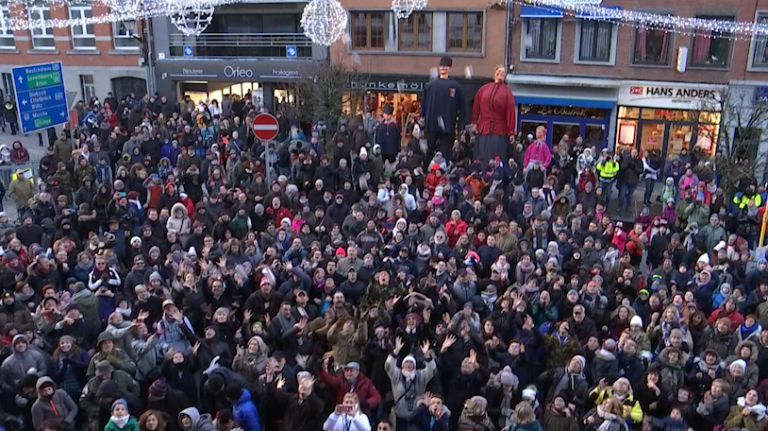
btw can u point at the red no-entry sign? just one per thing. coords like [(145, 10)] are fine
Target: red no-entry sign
[(265, 127)]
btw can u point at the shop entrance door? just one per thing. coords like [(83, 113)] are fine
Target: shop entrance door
[(560, 130), (667, 138)]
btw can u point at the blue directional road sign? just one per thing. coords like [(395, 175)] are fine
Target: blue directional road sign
[(40, 96), (188, 52), (290, 51)]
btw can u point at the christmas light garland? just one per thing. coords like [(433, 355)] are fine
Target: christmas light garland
[(738, 29)]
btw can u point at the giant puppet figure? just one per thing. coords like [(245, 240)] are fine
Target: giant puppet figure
[(443, 110), (493, 115)]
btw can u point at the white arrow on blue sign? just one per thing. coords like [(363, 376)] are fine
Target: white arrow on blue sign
[(188, 52), (40, 96), (291, 51)]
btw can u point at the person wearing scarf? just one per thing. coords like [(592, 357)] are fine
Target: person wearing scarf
[(606, 417), (252, 361), (474, 416), (120, 420), (749, 330), (748, 413)]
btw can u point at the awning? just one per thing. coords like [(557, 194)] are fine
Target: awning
[(556, 101), (603, 13), (529, 11)]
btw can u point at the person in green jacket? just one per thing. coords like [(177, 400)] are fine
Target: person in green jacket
[(121, 420)]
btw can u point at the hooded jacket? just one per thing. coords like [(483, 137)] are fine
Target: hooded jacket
[(632, 408), (401, 388), (16, 366), (245, 413), (59, 407), (182, 225), (199, 422), (752, 373), (88, 304)]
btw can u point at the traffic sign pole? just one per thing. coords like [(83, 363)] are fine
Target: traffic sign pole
[(40, 96)]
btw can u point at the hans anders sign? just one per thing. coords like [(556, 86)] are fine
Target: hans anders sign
[(670, 96)]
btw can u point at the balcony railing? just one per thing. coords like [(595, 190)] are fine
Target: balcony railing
[(242, 45)]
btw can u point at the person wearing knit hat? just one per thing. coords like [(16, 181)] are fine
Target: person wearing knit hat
[(738, 364), (577, 364), (121, 420)]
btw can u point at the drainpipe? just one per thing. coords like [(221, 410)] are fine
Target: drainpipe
[(508, 7)]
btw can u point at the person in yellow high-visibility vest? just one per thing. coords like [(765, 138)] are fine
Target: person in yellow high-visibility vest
[(607, 169)]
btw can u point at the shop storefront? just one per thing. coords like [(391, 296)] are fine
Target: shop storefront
[(668, 118), (568, 107), (566, 121), (267, 82), (404, 94)]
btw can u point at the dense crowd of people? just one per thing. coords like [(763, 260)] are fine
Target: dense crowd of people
[(169, 271)]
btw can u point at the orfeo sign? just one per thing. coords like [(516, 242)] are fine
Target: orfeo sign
[(237, 72), (695, 96)]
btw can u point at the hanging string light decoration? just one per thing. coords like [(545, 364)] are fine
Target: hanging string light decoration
[(672, 23), (324, 21), (404, 8), (192, 19)]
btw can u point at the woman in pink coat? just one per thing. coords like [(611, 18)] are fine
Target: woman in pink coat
[(538, 150)]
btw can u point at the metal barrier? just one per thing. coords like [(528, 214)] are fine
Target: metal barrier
[(7, 171)]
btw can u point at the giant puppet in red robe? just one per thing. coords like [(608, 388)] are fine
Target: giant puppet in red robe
[(493, 115)]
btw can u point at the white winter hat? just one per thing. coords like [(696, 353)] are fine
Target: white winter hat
[(636, 320), (739, 363), (412, 359)]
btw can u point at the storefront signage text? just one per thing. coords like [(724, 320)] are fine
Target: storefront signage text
[(237, 72), (671, 96), (563, 111), (677, 93), (380, 85)]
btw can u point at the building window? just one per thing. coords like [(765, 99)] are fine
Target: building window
[(541, 38), (123, 34), (368, 30), (758, 51), (652, 46), (87, 87), (6, 34), (42, 37), (712, 48), (83, 36), (596, 41), (465, 31), (416, 32)]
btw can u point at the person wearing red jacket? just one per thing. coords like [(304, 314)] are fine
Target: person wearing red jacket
[(278, 212), (352, 380), (455, 227)]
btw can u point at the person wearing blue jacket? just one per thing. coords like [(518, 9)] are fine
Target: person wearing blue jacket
[(430, 415), (244, 410)]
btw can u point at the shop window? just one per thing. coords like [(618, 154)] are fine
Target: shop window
[(368, 30), (758, 51), (628, 112), (87, 87), (542, 38), (652, 46), (465, 31), (712, 48), (6, 34), (416, 32), (83, 36), (596, 41), (124, 35), (42, 37)]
